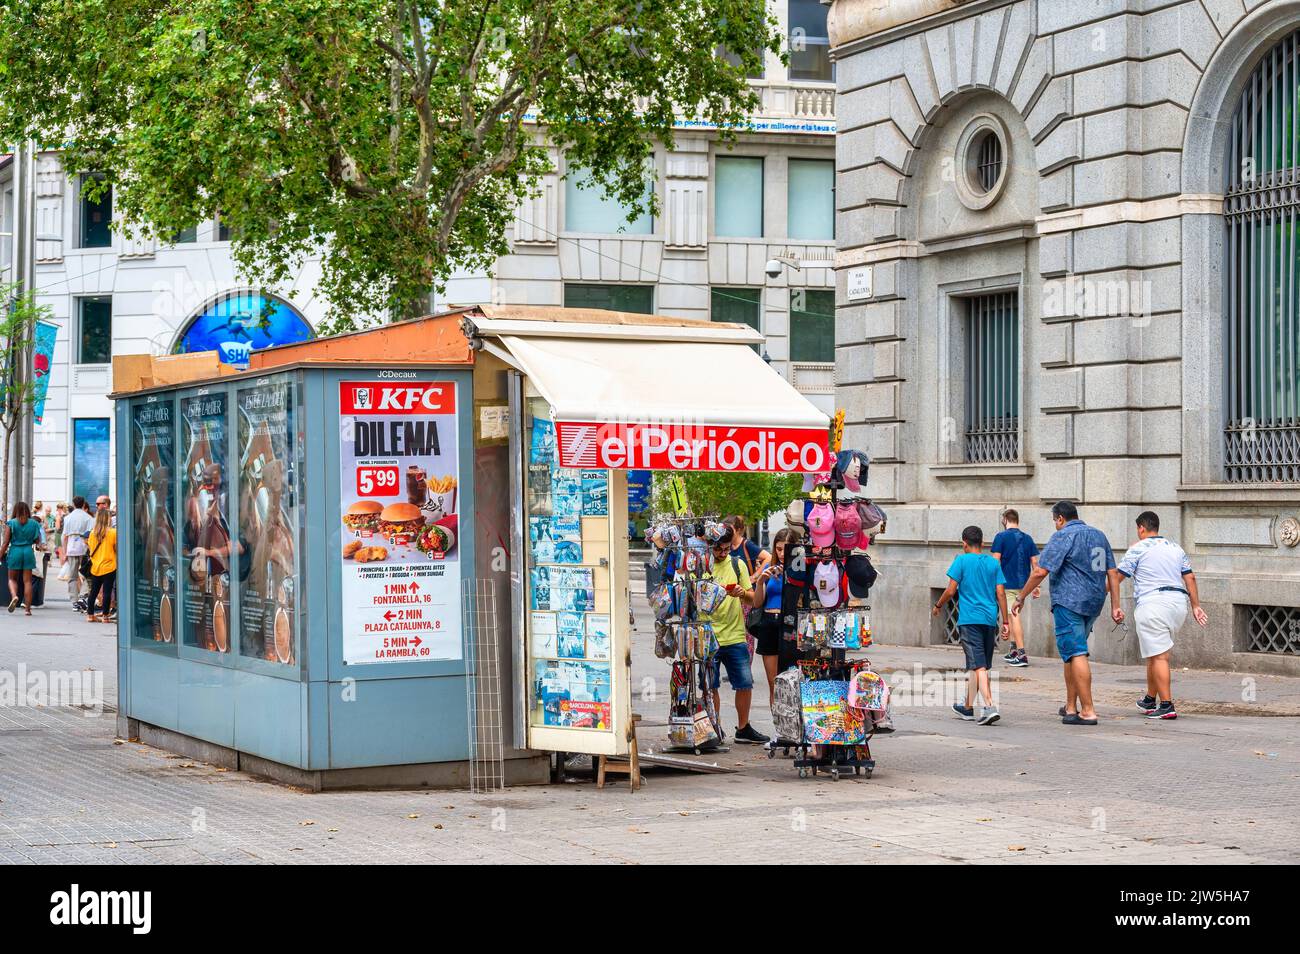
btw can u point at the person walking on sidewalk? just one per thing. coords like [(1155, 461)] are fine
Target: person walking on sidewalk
[(1082, 567), (1163, 586), (1018, 554), (103, 567), (21, 535), (76, 529), (728, 622), (980, 587)]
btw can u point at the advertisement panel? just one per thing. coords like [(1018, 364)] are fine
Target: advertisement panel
[(153, 454), (268, 521), (206, 541), (400, 482)]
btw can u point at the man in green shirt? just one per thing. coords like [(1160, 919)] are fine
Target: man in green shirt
[(728, 622)]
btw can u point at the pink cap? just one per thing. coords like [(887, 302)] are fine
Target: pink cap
[(848, 526), (821, 525)]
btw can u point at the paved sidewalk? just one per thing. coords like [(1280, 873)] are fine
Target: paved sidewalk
[(1208, 788)]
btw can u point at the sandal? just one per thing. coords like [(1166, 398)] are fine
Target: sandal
[(1077, 720)]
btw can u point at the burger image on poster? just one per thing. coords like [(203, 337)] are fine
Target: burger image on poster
[(362, 517), (401, 522)]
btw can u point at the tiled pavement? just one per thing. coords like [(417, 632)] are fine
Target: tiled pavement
[(1207, 788)]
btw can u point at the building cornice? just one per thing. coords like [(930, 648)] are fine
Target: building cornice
[(854, 25), (1070, 220)]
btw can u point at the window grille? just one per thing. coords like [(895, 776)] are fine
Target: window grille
[(992, 379), (1273, 629), (1262, 206), (989, 162)]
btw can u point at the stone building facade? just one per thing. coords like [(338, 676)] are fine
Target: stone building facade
[(1067, 269)]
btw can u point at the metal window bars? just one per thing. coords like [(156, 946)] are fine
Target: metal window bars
[(992, 373), (988, 161), (480, 633), (1273, 629), (1262, 300)]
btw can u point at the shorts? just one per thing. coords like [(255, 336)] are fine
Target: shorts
[(1072, 632), (1156, 619), (1012, 596), (768, 633), (736, 658), (979, 641)]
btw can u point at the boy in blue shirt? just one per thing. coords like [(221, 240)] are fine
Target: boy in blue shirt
[(1018, 554), (981, 589)]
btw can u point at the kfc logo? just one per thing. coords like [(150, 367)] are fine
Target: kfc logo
[(415, 397)]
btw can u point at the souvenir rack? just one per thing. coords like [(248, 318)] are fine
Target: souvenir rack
[(828, 663), (695, 659)]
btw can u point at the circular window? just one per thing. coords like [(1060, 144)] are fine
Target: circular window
[(982, 162)]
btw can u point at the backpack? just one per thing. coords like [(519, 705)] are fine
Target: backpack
[(787, 707)]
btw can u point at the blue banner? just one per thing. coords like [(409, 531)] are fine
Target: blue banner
[(638, 491), (42, 361)]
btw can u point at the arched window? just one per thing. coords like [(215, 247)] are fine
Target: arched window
[(243, 316), (1262, 206)]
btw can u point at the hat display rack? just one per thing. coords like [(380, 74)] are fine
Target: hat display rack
[(833, 727), (684, 551)]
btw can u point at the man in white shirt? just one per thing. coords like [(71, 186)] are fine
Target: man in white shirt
[(76, 530), (1163, 585)]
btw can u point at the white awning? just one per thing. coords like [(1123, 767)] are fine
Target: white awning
[(642, 397)]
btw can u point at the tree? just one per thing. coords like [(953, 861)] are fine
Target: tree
[(18, 384), (391, 136), (753, 496)]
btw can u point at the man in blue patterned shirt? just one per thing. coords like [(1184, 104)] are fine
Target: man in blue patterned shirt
[(1082, 567)]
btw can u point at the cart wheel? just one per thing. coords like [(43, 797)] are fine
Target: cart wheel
[(786, 751), (771, 753), (803, 773), (835, 774), (867, 772)]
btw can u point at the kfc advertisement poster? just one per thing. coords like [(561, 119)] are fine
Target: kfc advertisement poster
[(399, 515)]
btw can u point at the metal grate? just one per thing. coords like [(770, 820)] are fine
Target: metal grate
[(947, 633), (988, 162), (992, 379), (483, 686), (1273, 629), (1262, 205)]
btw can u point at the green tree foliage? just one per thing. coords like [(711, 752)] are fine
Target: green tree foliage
[(753, 496), (388, 135)]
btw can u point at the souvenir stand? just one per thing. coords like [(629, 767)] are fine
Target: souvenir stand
[(388, 557), (683, 546), (829, 706), (595, 395)]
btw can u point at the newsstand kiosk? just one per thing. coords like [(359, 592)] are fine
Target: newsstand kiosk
[(336, 562)]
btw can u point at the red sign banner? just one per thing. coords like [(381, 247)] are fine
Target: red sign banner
[(613, 446), (404, 397)]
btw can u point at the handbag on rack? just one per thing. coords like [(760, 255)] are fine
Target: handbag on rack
[(787, 706), (663, 601), (867, 691)]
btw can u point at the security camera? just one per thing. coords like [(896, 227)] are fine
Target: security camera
[(773, 268)]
